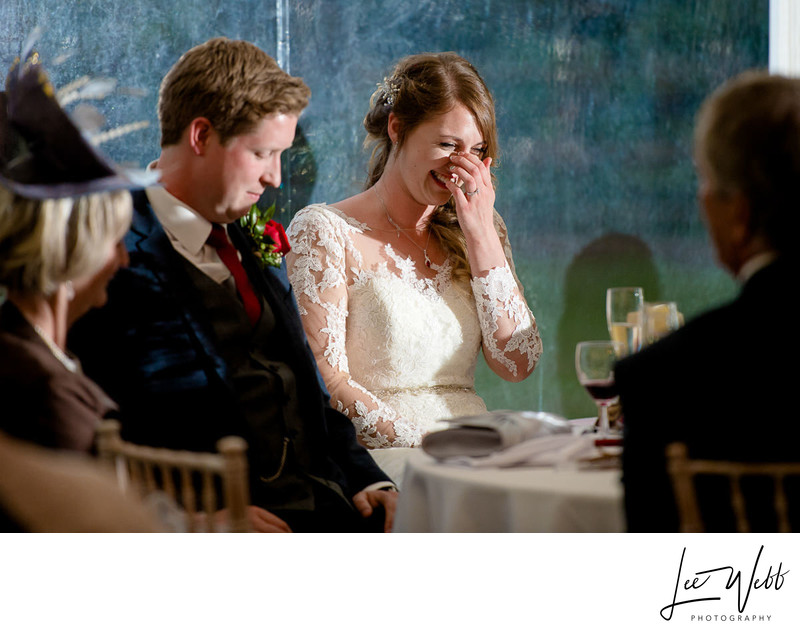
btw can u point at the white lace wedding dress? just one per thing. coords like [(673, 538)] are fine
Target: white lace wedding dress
[(397, 345)]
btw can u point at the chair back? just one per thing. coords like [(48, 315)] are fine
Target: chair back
[(682, 471), (191, 479)]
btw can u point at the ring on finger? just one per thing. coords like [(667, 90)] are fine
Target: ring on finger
[(470, 193)]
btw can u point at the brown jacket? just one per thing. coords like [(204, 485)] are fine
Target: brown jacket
[(41, 401)]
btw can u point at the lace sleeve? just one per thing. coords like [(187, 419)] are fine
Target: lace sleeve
[(317, 266), (511, 341)]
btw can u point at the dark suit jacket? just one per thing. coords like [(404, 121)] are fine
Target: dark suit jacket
[(40, 400), (724, 384), (155, 353)]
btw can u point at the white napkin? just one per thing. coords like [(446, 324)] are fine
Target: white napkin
[(555, 450), (485, 434)]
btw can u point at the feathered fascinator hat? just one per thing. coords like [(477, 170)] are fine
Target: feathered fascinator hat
[(43, 154)]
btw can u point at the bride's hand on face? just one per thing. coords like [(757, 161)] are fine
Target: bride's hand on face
[(475, 202)]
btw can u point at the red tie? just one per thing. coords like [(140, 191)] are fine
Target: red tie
[(218, 239)]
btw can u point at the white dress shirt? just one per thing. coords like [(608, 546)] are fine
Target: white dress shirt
[(754, 264), (188, 233)]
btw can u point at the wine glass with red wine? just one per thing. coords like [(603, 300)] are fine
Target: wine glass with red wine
[(594, 363)]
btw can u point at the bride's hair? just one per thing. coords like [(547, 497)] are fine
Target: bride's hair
[(421, 87)]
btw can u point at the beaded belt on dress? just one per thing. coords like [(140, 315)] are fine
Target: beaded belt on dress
[(424, 390)]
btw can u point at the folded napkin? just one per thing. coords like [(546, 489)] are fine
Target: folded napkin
[(517, 439), (485, 434), (547, 451)]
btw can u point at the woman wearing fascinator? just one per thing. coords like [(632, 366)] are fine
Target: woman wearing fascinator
[(401, 285), (63, 212)]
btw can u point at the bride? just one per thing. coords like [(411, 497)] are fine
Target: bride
[(401, 285)]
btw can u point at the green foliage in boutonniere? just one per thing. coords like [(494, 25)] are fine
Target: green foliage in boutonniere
[(270, 239)]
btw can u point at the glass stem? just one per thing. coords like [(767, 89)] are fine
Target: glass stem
[(604, 428)]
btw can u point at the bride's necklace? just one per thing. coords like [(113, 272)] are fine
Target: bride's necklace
[(400, 230)]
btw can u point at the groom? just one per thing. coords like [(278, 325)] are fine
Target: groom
[(200, 338)]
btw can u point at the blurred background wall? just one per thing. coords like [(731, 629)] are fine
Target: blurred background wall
[(595, 98)]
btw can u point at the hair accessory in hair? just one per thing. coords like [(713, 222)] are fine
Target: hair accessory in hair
[(390, 87), (43, 154)]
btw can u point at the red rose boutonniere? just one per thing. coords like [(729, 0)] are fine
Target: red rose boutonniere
[(270, 239)]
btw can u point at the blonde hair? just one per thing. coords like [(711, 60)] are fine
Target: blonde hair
[(232, 83), (747, 140), (44, 243), (421, 87)]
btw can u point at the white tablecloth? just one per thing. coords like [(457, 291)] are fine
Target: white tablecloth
[(444, 498), (393, 461)]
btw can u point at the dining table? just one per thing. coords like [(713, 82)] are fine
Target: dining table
[(570, 497)]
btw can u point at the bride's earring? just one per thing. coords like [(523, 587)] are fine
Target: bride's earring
[(69, 289)]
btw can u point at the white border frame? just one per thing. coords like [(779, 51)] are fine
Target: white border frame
[(784, 42)]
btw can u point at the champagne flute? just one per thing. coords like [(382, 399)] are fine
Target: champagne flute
[(625, 317), (594, 363)]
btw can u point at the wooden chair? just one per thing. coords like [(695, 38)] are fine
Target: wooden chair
[(682, 471), (183, 475)]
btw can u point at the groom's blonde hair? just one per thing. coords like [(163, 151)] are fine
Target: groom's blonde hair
[(232, 83)]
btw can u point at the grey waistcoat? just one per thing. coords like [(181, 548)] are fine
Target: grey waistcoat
[(266, 392)]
